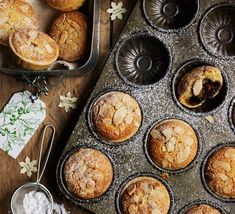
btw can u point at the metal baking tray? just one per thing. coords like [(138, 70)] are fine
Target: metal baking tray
[(88, 64), (182, 48)]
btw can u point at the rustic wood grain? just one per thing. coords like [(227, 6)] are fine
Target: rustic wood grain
[(10, 178)]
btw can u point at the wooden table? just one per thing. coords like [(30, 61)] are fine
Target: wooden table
[(10, 177)]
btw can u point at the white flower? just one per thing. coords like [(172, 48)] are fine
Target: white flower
[(28, 167), (68, 102), (116, 10)]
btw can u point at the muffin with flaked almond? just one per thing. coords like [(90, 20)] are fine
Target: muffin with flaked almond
[(66, 5), (145, 195), (88, 173), (116, 116), (172, 144), (69, 30), (16, 15), (203, 209), (220, 172), (33, 49)]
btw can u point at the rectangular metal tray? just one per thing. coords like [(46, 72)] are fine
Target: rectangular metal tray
[(157, 102), (94, 14)]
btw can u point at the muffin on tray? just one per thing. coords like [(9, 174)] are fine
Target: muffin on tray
[(202, 208), (172, 144), (16, 15), (33, 49), (88, 173), (116, 116), (69, 30), (66, 5), (220, 172), (145, 195), (199, 85)]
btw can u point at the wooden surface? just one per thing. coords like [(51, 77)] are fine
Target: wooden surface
[(10, 177)]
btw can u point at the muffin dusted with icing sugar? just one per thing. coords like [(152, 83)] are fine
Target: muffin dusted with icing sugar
[(202, 209), (16, 15), (116, 116), (69, 30), (172, 144), (88, 173), (220, 172), (66, 5), (33, 49), (145, 195)]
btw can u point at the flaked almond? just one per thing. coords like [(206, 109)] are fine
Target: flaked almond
[(227, 189), (63, 37), (186, 153), (103, 109), (25, 8), (48, 47), (62, 19), (197, 87), (156, 211), (128, 119), (156, 134), (126, 99), (119, 116), (132, 209), (168, 133), (156, 193), (116, 102), (222, 165), (96, 109), (179, 130), (74, 24), (189, 141), (165, 163), (33, 34), (223, 177), (230, 153), (27, 23), (164, 148), (107, 121), (170, 145), (4, 20), (146, 187)]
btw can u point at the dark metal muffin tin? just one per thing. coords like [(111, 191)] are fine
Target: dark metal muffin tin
[(181, 46)]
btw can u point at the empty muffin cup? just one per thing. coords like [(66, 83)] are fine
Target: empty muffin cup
[(170, 14), (217, 30), (142, 59), (199, 87), (231, 114)]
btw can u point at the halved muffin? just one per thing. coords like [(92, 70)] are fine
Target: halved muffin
[(33, 49), (199, 85)]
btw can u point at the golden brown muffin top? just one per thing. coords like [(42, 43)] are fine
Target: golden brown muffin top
[(202, 209), (198, 85), (88, 173), (220, 172), (66, 5), (145, 195), (116, 116), (70, 32), (16, 15), (173, 144), (34, 46)]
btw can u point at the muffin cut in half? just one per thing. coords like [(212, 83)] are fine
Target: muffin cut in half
[(172, 144), (88, 173), (34, 50), (199, 85), (116, 116)]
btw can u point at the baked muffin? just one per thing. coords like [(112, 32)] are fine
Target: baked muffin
[(69, 30), (199, 85), (66, 5), (145, 195), (116, 116), (172, 144), (16, 15), (202, 209), (33, 49), (220, 172), (88, 173)]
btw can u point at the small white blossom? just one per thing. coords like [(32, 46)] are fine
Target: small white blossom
[(116, 10), (28, 167), (68, 102)]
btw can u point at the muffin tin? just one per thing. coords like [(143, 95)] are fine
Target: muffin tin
[(88, 63), (150, 74)]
